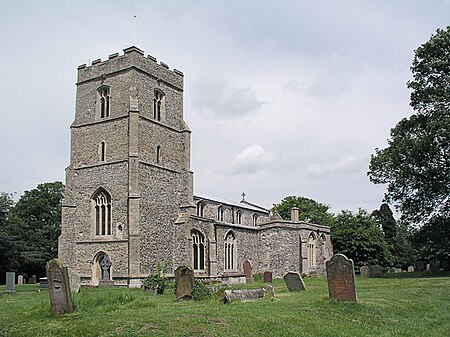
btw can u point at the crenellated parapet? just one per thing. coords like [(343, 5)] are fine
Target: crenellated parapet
[(132, 57)]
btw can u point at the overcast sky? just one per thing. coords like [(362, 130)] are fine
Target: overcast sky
[(282, 97)]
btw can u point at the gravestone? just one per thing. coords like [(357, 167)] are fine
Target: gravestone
[(244, 295), (341, 278), (58, 287), (267, 277), (398, 270), (364, 271), (32, 279), (184, 281), (410, 269), (428, 267), (248, 271), (43, 282), (20, 280), (106, 264), (419, 266), (435, 265), (294, 281), (10, 282), (375, 271)]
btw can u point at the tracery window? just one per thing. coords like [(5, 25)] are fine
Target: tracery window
[(102, 209), (230, 251), (198, 251)]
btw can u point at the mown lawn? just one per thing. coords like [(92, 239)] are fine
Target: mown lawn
[(400, 305)]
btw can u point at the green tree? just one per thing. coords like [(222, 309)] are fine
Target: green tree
[(8, 256), (385, 218), (358, 237), (36, 225), (416, 164), (310, 210)]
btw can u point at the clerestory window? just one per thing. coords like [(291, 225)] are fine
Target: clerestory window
[(220, 213), (238, 217)]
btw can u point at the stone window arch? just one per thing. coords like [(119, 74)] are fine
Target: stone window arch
[(102, 151), (159, 102), (230, 251), (220, 213), (200, 208), (102, 210), (158, 154), (101, 268), (238, 217), (198, 250), (103, 102), (312, 250), (254, 219)]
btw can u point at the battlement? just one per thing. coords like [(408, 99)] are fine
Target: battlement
[(132, 57)]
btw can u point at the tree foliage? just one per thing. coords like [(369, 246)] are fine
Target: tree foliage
[(358, 237), (310, 210), (8, 256), (385, 218), (416, 164), (34, 225)]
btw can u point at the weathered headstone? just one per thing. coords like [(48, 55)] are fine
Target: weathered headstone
[(267, 277), (435, 265), (410, 269), (106, 264), (184, 281), (375, 271), (428, 268), (364, 271), (10, 282), (58, 287), (32, 279), (19, 280), (341, 278), (43, 282), (398, 270), (248, 271), (294, 281)]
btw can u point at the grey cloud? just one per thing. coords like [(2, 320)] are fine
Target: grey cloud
[(217, 98), (252, 159)]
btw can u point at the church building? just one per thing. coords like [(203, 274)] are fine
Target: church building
[(129, 201)]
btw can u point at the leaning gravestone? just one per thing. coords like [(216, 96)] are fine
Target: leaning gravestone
[(58, 287), (294, 281), (341, 278), (364, 271), (267, 277), (20, 280), (10, 282), (184, 281)]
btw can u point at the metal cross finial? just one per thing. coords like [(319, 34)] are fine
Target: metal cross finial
[(243, 196)]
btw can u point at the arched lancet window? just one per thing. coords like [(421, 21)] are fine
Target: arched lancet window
[(105, 102), (312, 250), (220, 213), (254, 219), (230, 251), (102, 208), (200, 208), (102, 151), (158, 105), (158, 154), (238, 217), (198, 250)]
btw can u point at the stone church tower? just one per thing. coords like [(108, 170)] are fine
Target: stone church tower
[(129, 176)]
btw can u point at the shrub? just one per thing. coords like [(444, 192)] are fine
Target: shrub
[(200, 291), (157, 282)]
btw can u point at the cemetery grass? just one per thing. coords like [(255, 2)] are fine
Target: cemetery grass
[(402, 305)]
